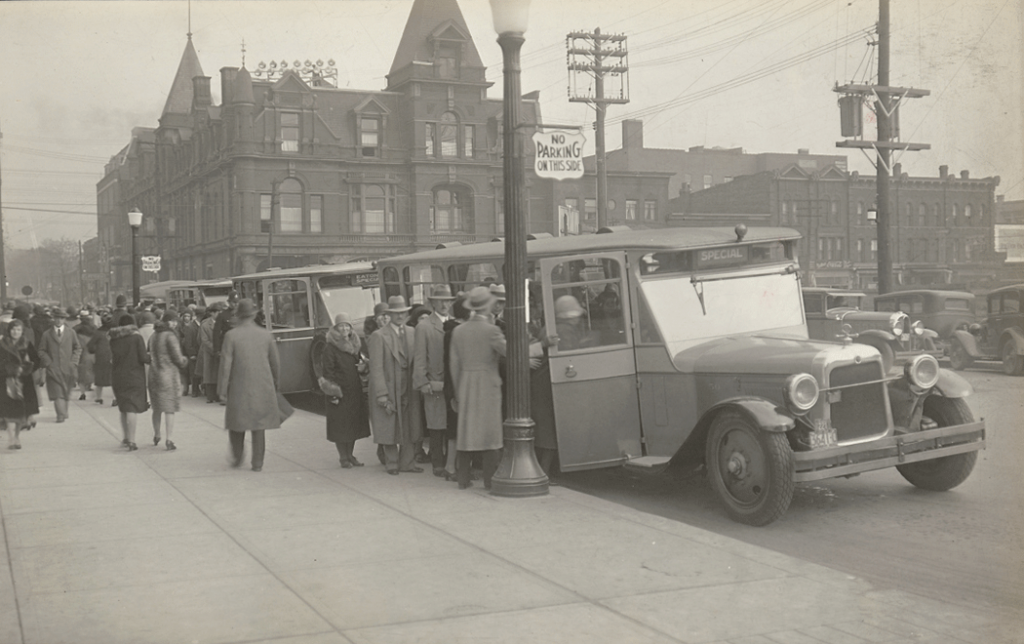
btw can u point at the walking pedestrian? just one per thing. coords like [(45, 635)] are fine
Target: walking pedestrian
[(18, 400), (247, 382), (59, 353), (428, 372), (211, 364), (192, 338), (128, 367), (379, 320), (347, 416), (85, 330), (99, 349), (24, 313), (477, 347), (391, 351), (188, 336), (166, 362)]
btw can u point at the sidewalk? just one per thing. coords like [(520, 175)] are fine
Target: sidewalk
[(105, 546)]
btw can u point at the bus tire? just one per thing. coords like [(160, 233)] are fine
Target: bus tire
[(750, 470), (941, 474), (316, 362)]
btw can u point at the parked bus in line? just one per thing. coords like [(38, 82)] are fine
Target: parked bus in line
[(181, 293), (693, 349), (299, 306)]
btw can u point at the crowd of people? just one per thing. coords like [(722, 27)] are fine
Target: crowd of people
[(426, 382)]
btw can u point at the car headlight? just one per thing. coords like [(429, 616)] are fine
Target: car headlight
[(802, 391), (917, 327), (898, 323), (922, 371)]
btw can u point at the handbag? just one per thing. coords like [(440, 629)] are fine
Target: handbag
[(14, 388), (329, 388)]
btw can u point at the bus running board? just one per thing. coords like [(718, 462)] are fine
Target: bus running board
[(648, 464)]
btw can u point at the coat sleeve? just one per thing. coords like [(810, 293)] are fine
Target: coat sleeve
[(498, 343), (419, 363), (174, 349), (453, 365), (44, 355), (377, 350), (76, 349), (227, 354)]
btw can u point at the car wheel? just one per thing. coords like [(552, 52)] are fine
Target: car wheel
[(750, 469), (1013, 364), (944, 473), (958, 357)]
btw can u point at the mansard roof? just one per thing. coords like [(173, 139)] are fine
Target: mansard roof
[(179, 99), (430, 20)]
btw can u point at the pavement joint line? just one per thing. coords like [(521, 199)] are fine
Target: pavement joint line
[(10, 569)]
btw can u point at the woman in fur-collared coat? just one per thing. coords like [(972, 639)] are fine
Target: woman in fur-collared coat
[(129, 359), (348, 419), (18, 360)]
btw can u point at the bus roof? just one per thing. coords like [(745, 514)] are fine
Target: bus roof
[(220, 281), (660, 239), (302, 271)]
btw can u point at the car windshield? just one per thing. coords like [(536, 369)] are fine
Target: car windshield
[(356, 301), (690, 313), (957, 305)]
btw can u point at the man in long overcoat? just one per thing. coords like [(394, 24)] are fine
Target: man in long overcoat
[(59, 353), (394, 423), (248, 382), (476, 348), (428, 372), (209, 354)]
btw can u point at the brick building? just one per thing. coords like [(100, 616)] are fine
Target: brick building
[(1010, 232), (942, 227)]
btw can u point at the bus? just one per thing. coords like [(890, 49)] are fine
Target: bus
[(693, 350), (181, 293), (299, 306)]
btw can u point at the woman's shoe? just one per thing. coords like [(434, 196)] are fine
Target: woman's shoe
[(449, 476), (99, 401), (132, 447), (124, 442), (156, 439), (82, 397), (171, 446), (113, 403), (346, 465)]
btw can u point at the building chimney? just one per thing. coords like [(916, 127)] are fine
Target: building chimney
[(897, 170), (201, 91), (632, 134), (965, 174), (227, 78), (943, 171), (803, 151)]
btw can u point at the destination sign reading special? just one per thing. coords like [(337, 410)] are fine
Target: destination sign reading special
[(720, 257), (559, 154)]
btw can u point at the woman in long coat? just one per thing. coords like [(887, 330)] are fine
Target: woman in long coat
[(348, 419), (99, 348), (86, 373), (18, 360), (167, 360), (247, 381), (477, 347), (129, 359)]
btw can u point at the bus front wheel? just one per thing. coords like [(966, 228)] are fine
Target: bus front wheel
[(750, 469)]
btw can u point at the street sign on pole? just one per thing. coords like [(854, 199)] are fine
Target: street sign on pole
[(558, 154), (151, 263)]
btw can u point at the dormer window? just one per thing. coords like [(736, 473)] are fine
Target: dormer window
[(369, 136), (447, 60), (289, 132)]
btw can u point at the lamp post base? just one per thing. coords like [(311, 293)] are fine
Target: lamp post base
[(519, 473)]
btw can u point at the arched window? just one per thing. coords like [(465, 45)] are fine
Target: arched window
[(451, 210), (967, 214), (373, 208), (448, 135), (922, 213), (956, 215)]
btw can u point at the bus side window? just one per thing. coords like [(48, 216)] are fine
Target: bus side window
[(391, 285), (588, 304), (289, 304)]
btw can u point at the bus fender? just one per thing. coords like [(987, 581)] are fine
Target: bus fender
[(952, 385), (884, 336), (766, 415), (968, 341)]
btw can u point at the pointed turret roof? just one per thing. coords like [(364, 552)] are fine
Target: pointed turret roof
[(179, 100), (424, 19)]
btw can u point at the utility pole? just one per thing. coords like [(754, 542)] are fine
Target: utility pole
[(3, 261), (588, 58), (81, 275), (886, 115), (273, 209)]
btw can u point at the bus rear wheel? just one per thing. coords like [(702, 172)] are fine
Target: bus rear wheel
[(750, 469)]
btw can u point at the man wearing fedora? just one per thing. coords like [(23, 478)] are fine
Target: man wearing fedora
[(428, 371), (476, 348), (392, 398), (59, 353), (498, 291)]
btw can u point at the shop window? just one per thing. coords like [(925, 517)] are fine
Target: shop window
[(631, 205), (289, 132), (650, 210)]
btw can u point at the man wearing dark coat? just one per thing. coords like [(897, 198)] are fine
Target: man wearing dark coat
[(393, 420), (59, 353)]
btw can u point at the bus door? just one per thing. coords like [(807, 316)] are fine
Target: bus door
[(593, 367), (287, 308)]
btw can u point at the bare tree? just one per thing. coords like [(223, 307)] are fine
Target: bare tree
[(61, 258)]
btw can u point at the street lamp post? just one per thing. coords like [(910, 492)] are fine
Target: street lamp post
[(519, 473), (135, 220)]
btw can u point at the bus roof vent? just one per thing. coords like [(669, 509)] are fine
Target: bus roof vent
[(532, 236), (612, 229), (447, 245)]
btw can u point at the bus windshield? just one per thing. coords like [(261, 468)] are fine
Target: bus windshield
[(356, 301), (737, 306)]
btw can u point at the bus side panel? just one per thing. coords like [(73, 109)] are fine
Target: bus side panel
[(602, 431), (293, 348), (668, 402)]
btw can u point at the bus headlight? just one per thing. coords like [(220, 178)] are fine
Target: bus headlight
[(922, 371), (898, 323), (801, 392), (917, 328)]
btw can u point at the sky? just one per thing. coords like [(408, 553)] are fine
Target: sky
[(757, 74)]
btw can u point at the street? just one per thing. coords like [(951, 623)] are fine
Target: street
[(965, 546)]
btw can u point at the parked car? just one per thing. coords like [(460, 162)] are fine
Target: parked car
[(1000, 337), (940, 311), (832, 313)]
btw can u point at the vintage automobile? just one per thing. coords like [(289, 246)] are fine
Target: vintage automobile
[(689, 349), (939, 311), (1000, 337), (835, 313)]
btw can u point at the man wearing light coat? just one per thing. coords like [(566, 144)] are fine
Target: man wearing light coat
[(428, 372), (59, 353)]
